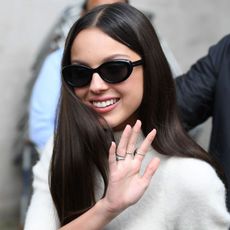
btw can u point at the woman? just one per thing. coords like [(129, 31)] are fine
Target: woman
[(117, 87)]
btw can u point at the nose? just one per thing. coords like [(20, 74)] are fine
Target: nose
[(97, 84)]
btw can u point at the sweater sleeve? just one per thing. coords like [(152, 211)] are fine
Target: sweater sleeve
[(197, 200), (42, 213)]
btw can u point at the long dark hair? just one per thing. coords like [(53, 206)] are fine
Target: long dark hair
[(82, 140)]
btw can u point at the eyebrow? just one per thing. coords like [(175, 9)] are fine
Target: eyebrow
[(109, 58)]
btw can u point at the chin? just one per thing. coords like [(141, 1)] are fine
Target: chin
[(119, 126)]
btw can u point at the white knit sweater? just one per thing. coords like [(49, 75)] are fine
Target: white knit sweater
[(184, 194)]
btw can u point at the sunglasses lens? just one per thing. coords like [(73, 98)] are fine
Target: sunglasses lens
[(76, 76), (111, 72), (115, 72)]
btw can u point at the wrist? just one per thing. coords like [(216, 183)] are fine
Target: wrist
[(106, 209)]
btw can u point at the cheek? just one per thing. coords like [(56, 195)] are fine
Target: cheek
[(137, 95), (80, 92), (133, 89), (138, 89), (137, 85)]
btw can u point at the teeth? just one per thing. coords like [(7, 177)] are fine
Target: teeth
[(103, 104)]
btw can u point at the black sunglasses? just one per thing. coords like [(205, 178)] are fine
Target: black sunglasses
[(115, 71)]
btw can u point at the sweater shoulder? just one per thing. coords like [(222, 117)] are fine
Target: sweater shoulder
[(41, 168), (192, 176), (194, 195)]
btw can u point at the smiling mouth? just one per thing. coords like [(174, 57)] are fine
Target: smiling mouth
[(104, 104)]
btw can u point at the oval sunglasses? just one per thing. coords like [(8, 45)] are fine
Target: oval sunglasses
[(77, 75)]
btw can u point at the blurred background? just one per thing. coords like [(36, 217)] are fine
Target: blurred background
[(188, 27)]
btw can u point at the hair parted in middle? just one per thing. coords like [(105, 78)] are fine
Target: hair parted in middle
[(83, 138)]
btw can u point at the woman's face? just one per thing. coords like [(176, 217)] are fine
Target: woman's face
[(117, 103)]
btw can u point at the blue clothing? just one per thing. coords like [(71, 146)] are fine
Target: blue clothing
[(44, 100)]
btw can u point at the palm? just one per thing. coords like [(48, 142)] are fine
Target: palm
[(126, 185)]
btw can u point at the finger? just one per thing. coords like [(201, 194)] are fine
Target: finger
[(112, 156), (133, 139), (143, 149), (151, 169), (122, 146)]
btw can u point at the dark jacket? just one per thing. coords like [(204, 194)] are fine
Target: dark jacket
[(203, 92)]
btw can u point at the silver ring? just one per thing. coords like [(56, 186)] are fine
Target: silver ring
[(131, 154), (141, 154), (119, 157), (138, 153)]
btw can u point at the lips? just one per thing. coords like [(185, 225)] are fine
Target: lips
[(103, 106)]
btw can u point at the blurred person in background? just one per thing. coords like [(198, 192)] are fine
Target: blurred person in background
[(204, 92)]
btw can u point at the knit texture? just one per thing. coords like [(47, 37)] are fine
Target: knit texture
[(184, 193)]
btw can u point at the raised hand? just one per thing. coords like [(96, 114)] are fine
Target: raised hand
[(126, 184)]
